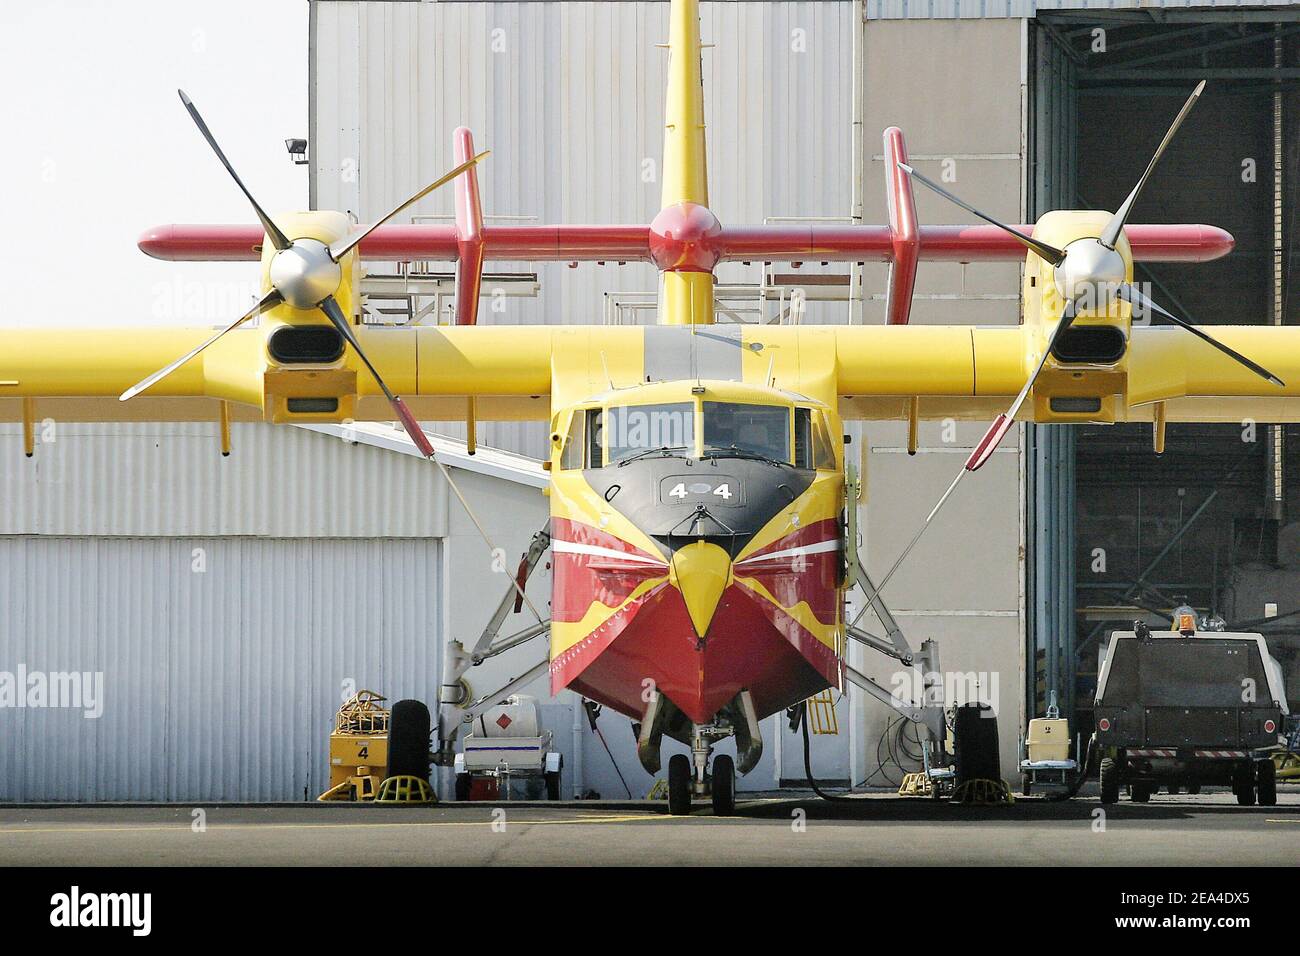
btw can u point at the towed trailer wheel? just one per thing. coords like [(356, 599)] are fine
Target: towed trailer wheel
[(1109, 780), (1266, 782), (1243, 783)]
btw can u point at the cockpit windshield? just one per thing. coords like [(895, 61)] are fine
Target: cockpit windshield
[(637, 429), (621, 434), (740, 429)]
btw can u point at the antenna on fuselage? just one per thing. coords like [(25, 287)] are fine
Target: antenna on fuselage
[(605, 365)]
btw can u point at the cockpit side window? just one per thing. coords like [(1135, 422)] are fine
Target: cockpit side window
[(823, 449), (575, 443), (595, 437), (803, 439)]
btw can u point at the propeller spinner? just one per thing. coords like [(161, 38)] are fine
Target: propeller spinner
[(305, 274)]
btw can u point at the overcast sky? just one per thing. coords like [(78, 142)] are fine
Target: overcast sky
[(97, 147)]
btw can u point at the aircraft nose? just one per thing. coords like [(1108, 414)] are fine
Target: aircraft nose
[(701, 571)]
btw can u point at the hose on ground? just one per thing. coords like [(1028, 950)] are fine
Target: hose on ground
[(807, 758), (1074, 788)]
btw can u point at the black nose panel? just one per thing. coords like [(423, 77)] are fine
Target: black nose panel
[(723, 500)]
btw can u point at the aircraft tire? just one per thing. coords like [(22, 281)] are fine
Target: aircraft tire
[(679, 785), (724, 786), (408, 740)]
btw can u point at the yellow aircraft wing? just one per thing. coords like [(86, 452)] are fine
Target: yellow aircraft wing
[(525, 373)]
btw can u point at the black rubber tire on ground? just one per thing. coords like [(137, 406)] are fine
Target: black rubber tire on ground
[(1026, 787), (1173, 789), (1109, 780), (724, 786), (408, 740), (463, 784), (1243, 783), (552, 785), (1266, 783), (679, 785), (1142, 792), (1193, 787)]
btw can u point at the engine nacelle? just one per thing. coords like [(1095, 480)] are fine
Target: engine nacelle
[(1085, 378)]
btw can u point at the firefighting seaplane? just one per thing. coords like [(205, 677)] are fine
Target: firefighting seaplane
[(701, 516)]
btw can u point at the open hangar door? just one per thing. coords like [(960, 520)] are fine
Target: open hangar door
[(1210, 522)]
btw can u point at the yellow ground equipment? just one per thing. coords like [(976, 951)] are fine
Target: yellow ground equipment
[(1287, 763), (1048, 739), (358, 748), (917, 784)]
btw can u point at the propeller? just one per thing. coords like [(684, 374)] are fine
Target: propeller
[(305, 274), (1089, 274)]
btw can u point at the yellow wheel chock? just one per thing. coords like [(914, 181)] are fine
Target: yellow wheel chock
[(405, 789), (983, 793)]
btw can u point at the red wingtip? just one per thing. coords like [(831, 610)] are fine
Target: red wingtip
[(412, 427), (989, 443)]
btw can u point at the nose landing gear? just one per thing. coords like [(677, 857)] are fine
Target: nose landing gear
[(690, 777)]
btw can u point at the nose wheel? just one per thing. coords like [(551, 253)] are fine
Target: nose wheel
[(680, 785), (688, 778), (724, 786)]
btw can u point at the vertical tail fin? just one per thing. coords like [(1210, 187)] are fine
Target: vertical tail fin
[(685, 168), (686, 297)]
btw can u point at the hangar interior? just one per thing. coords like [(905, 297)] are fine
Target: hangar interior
[(1212, 522)]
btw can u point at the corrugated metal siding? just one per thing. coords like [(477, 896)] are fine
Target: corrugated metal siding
[(569, 98), (218, 685), (169, 479), (967, 9)]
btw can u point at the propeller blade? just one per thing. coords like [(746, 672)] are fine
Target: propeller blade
[(1110, 235), (1049, 254), (335, 314), (1133, 295), (1002, 424), (270, 300), (340, 247), (278, 238), (982, 453)]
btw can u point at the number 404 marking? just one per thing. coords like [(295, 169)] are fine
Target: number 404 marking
[(723, 491)]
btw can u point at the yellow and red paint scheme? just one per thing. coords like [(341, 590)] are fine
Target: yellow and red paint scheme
[(634, 613)]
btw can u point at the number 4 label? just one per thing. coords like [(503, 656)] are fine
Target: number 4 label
[(723, 491)]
